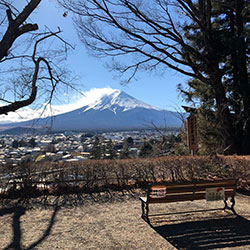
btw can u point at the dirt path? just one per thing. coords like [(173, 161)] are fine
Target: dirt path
[(117, 225)]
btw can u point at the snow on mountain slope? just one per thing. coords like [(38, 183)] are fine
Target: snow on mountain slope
[(109, 110), (117, 100)]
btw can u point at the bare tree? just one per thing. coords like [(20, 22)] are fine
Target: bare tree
[(149, 31), (30, 66), (159, 34)]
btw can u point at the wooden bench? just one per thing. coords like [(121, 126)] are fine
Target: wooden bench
[(177, 192)]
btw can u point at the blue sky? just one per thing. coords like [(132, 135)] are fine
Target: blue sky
[(159, 91)]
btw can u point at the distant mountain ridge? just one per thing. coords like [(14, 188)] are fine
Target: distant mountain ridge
[(112, 111)]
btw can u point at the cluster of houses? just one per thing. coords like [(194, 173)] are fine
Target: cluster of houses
[(67, 146)]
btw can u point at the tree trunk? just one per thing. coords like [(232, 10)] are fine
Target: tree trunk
[(240, 79), (224, 116)]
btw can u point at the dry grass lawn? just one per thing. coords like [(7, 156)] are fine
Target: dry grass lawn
[(118, 225)]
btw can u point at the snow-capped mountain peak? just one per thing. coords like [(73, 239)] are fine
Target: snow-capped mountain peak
[(117, 100)]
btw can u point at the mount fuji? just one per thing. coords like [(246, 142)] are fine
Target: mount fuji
[(112, 111)]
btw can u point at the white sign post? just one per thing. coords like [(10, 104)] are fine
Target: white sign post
[(215, 194)]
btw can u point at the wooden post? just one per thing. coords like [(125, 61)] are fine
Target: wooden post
[(192, 133)]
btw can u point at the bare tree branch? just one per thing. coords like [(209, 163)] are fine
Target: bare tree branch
[(35, 67)]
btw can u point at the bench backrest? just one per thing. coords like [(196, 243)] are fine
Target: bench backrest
[(169, 192)]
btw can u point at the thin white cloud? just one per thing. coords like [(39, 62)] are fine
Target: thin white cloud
[(86, 98)]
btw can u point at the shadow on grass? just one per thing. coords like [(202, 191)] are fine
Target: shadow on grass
[(17, 212), (207, 234)]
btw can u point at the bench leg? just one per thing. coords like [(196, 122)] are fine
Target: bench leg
[(226, 206), (145, 211), (232, 205)]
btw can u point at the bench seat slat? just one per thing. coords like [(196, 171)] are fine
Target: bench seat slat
[(228, 193), (211, 185), (186, 190), (197, 184), (202, 183), (183, 197), (191, 190)]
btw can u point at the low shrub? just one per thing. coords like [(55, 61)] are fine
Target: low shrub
[(96, 175)]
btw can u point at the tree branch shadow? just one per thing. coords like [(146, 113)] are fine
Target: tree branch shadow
[(48, 230), (207, 234), (18, 211)]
